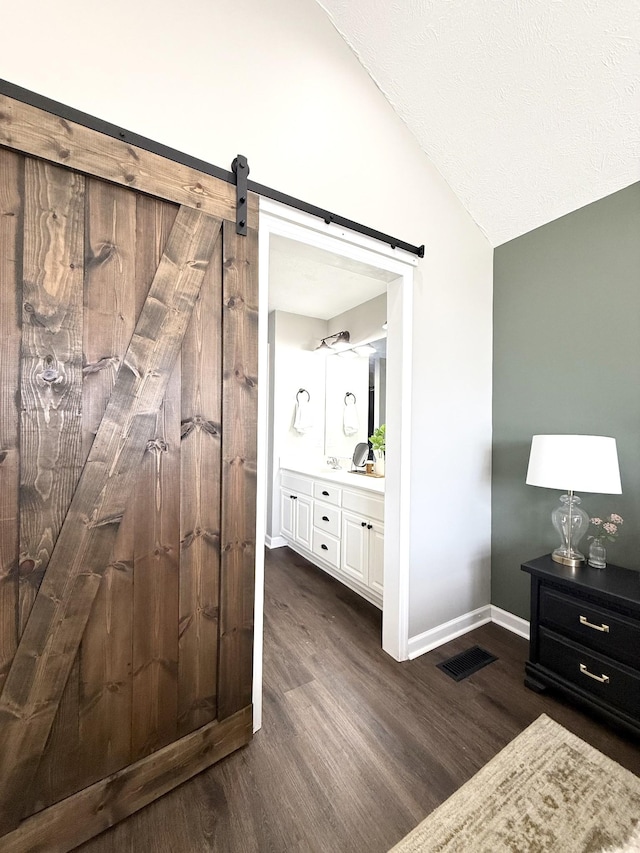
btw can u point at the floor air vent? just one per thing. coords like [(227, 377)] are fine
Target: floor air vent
[(466, 663)]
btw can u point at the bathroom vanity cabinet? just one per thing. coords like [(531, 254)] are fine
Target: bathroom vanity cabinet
[(336, 521)]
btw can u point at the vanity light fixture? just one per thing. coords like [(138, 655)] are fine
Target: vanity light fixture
[(364, 349), (335, 343)]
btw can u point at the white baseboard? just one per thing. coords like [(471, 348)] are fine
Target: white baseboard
[(275, 541), (442, 634), (509, 621)]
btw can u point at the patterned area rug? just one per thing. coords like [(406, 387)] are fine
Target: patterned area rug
[(545, 791)]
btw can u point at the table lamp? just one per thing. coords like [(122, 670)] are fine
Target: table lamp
[(585, 463)]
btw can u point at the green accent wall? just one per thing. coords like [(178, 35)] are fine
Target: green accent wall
[(566, 359)]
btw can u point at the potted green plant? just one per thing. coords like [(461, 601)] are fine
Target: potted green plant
[(378, 443)]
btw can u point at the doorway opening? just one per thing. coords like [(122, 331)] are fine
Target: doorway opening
[(278, 226)]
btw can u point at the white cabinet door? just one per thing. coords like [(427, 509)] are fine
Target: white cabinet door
[(354, 546), (376, 556), (296, 517), (287, 504), (303, 526)]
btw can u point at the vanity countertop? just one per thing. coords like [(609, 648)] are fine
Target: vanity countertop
[(342, 476)]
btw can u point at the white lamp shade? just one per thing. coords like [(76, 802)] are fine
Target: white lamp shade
[(581, 463)]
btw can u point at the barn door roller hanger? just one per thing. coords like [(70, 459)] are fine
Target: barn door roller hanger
[(240, 169)]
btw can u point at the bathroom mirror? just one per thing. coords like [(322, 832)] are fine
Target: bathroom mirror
[(355, 395)]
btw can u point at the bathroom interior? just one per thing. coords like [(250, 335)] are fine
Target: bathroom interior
[(326, 396)]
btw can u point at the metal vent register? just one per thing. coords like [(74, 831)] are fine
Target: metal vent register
[(466, 663)]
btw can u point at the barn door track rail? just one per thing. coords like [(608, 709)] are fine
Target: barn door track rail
[(238, 176)]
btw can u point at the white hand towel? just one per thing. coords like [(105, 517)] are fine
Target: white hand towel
[(350, 422), (302, 422)]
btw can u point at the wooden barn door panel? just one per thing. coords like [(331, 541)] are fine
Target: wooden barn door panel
[(200, 477), (128, 344), (11, 181)]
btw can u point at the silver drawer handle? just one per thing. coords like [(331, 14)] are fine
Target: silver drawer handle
[(603, 627), (604, 679)]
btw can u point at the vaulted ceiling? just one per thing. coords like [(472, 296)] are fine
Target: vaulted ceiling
[(529, 108)]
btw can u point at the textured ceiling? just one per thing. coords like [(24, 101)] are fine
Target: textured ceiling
[(529, 108), (316, 283)]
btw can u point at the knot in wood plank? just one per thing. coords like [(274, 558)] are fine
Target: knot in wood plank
[(242, 378), (157, 445), (26, 567), (50, 374), (34, 319), (101, 364), (198, 422), (235, 303)]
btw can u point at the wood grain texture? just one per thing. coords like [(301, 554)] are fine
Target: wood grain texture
[(11, 187), (356, 748), (51, 365), (155, 514), (239, 443), (63, 826), (156, 581), (111, 312), (51, 423), (46, 652), (200, 505), (41, 134)]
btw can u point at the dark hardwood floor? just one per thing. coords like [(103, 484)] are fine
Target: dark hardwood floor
[(355, 748)]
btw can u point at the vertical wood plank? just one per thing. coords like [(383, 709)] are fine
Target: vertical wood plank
[(51, 365), (239, 438), (156, 582), (51, 393), (200, 505), (155, 514), (11, 184), (110, 318), (47, 649)]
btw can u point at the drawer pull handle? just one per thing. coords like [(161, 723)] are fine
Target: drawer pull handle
[(324, 518), (326, 493), (603, 679), (603, 627), (326, 548)]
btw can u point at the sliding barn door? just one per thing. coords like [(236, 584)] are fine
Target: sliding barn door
[(128, 385)]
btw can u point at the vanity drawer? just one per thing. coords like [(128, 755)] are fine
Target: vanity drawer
[(604, 631), (327, 493), (301, 485), (595, 674), (367, 505), (327, 547), (326, 518)]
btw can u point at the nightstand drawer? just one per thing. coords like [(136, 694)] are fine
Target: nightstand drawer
[(602, 630), (595, 675)]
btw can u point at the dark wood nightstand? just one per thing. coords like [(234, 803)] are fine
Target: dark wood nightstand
[(585, 637)]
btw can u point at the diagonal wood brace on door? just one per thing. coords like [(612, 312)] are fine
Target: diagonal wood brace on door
[(240, 169)]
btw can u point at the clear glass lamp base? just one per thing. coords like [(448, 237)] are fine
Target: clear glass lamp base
[(571, 522), (568, 558)]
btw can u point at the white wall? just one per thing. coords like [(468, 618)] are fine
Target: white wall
[(275, 82), (364, 322), (346, 376), (294, 365)]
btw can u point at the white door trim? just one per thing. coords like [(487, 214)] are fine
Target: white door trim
[(278, 219)]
